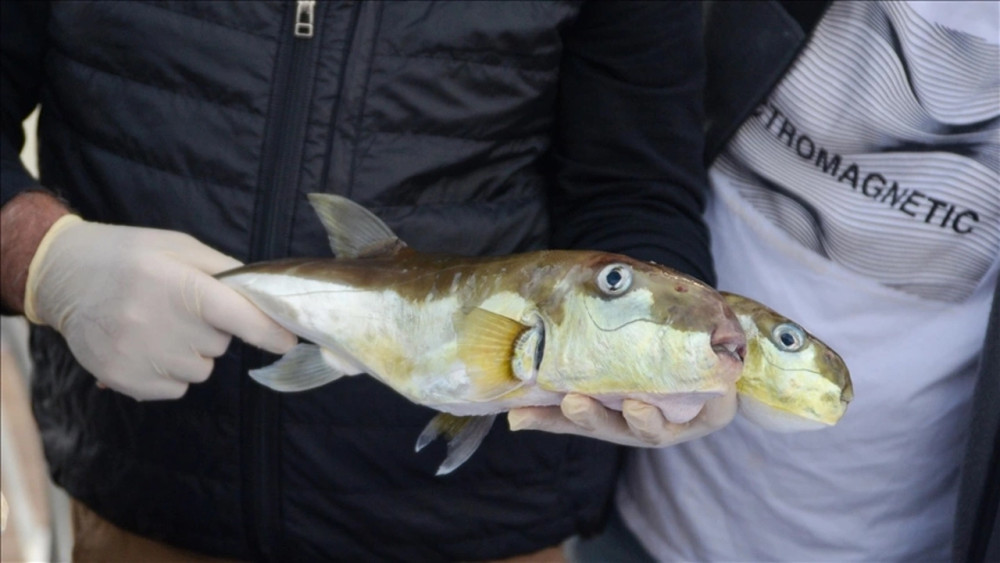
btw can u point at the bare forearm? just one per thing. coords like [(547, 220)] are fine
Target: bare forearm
[(23, 222)]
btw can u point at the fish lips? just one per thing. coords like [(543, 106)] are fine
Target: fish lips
[(729, 343)]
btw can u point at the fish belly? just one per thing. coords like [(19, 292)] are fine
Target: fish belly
[(408, 345)]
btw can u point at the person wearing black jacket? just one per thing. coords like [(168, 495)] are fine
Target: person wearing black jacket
[(186, 135)]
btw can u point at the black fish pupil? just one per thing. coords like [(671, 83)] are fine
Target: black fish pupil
[(787, 339), (614, 278)]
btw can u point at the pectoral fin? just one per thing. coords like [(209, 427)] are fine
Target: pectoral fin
[(486, 345), (304, 367), (463, 433)]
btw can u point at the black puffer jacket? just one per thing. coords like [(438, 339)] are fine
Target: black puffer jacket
[(464, 125)]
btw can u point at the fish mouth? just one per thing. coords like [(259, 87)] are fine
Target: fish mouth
[(729, 342)]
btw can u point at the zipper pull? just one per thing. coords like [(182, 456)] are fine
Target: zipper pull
[(305, 14)]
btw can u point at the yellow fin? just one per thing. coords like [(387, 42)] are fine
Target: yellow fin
[(486, 345)]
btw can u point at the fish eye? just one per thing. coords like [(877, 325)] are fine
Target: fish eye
[(614, 279), (789, 337)]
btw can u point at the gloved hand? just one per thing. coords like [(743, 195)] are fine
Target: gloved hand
[(638, 424), (139, 307)]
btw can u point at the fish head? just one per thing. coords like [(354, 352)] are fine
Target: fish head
[(621, 328), (791, 380)]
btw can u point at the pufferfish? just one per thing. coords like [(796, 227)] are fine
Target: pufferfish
[(474, 337)]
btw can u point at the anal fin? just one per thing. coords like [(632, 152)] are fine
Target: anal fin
[(304, 367), (463, 433)]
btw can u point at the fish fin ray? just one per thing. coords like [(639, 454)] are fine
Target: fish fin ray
[(464, 434), (341, 362), (354, 231), (486, 345), (304, 367)]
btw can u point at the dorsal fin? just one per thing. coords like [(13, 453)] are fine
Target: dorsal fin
[(354, 231)]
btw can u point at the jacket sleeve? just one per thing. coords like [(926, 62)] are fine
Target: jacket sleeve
[(628, 143), (977, 519), (23, 48)]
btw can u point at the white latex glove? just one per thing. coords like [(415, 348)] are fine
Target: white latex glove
[(139, 307), (3, 513), (638, 424)]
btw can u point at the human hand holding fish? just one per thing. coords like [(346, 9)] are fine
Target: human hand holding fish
[(139, 307), (590, 333), (638, 424)]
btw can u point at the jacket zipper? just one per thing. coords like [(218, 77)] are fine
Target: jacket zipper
[(305, 13), (273, 208)]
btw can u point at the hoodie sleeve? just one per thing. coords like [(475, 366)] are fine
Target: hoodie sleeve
[(628, 144), (23, 48)]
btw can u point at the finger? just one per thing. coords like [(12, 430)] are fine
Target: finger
[(201, 337), (161, 389), (194, 252), (549, 419), (552, 419), (210, 342), (598, 421), (225, 309), (586, 412), (647, 423), (166, 391), (718, 412), (188, 368)]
